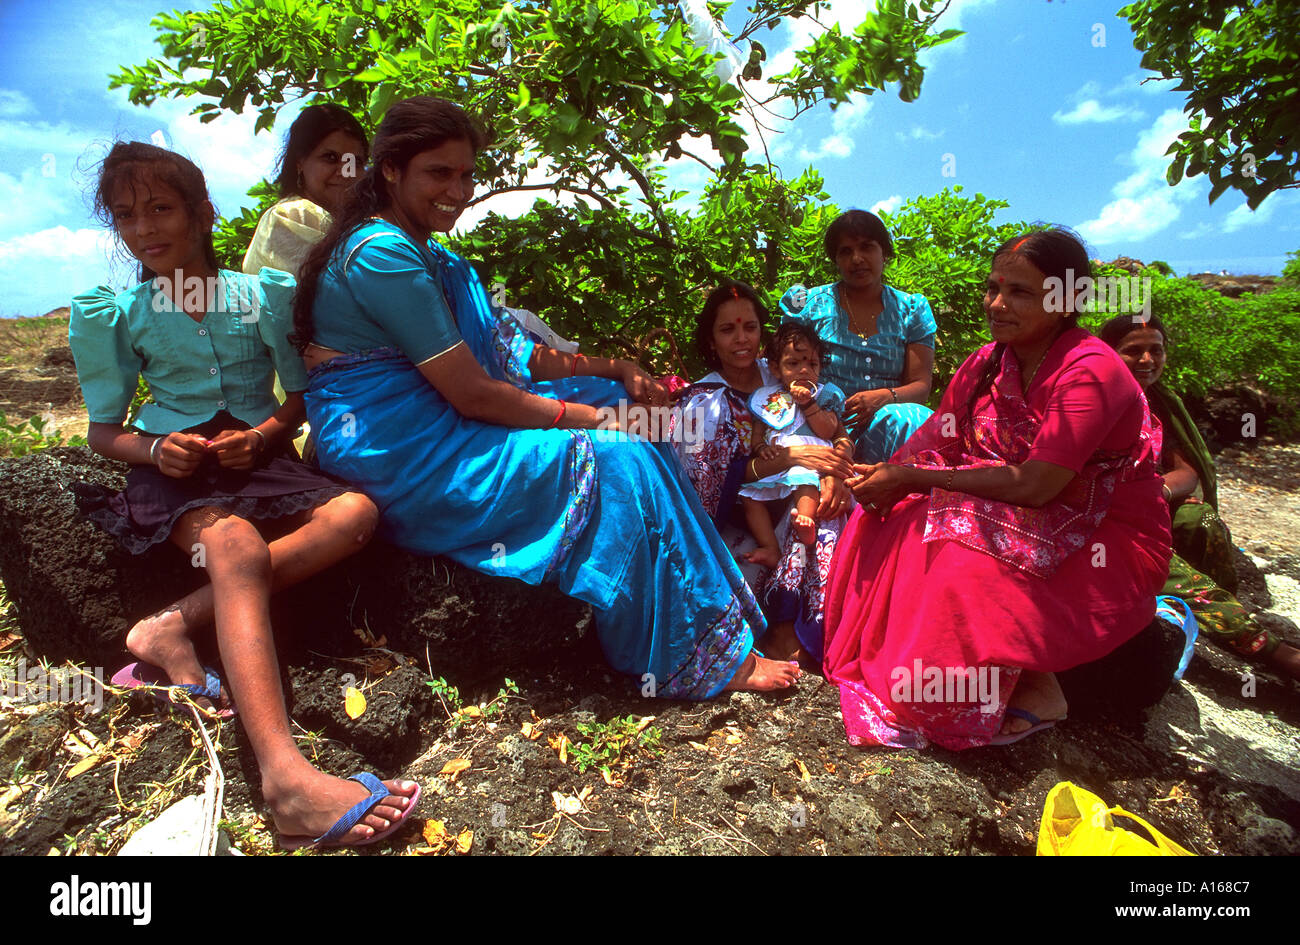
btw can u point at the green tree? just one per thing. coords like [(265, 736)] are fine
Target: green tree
[(1239, 63), (943, 246), (593, 96)]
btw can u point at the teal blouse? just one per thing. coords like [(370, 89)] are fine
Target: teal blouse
[(392, 295), (856, 363), (228, 361)]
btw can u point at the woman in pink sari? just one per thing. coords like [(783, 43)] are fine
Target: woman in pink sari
[(1020, 532)]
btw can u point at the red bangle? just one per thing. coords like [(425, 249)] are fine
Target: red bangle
[(574, 372), (559, 416)]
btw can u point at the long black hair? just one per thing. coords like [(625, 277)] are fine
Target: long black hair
[(1055, 252), (1115, 330), (130, 163), (704, 322), (410, 127), (313, 125)]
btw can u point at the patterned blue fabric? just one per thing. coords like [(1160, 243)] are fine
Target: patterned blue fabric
[(856, 363), (603, 516)]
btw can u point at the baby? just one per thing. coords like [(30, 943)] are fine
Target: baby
[(792, 412)]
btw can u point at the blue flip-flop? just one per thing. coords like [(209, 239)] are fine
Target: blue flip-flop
[(1035, 725), (334, 836), (147, 676)]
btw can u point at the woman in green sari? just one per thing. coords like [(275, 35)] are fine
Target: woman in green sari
[(1201, 572)]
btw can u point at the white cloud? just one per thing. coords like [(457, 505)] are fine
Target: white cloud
[(845, 120), (14, 104), (1146, 82), (1196, 232), (231, 156), (1092, 110), (1243, 216), (43, 137), (1144, 203), (918, 133), (888, 205), (69, 261), (33, 199)]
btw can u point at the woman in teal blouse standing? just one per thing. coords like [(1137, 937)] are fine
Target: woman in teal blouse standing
[(881, 340)]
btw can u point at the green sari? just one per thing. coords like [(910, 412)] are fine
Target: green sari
[(1201, 572)]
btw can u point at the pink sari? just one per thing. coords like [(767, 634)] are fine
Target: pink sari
[(932, 613)]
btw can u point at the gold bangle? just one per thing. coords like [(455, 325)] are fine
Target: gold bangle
[(753, 469), (948, 485)]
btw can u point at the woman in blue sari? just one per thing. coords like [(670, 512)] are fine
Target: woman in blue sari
[(478, 443), (881, 340)]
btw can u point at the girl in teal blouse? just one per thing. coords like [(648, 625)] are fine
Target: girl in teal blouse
[(881, 340), (210, 460)]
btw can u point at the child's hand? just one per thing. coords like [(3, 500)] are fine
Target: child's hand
[(236, 449), (801, 392), (769, 452), (180, 454)]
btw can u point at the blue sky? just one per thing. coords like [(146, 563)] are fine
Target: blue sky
[(1041, 104)]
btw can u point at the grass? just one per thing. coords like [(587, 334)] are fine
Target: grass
[(24, 341), (616, 742), (458, 713), (18, 438)]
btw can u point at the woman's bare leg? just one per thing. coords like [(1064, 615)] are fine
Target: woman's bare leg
[(781, 643), (303, 800), (329, 533)]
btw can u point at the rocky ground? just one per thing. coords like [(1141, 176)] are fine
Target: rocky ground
[(554, 754)]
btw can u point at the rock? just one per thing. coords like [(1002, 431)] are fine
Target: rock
[(76, 592), (1237, 416), (1234, 287), (60, 358), (33, 742), (386, 733)]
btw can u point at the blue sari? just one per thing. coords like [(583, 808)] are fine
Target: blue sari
[(602, 515)]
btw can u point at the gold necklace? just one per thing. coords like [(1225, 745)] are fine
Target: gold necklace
[(852, 315)]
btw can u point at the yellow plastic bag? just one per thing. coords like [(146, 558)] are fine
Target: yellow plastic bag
[(1078, 823)]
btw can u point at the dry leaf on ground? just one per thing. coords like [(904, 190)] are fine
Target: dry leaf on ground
[(354, 703), (82, 766), (464, 841), (454, 767), (561, 744)]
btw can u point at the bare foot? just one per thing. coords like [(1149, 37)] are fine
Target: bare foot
[(805, 527), (1039, 694), (309, 802), (767, 557), (764, 675), (162, 640)]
